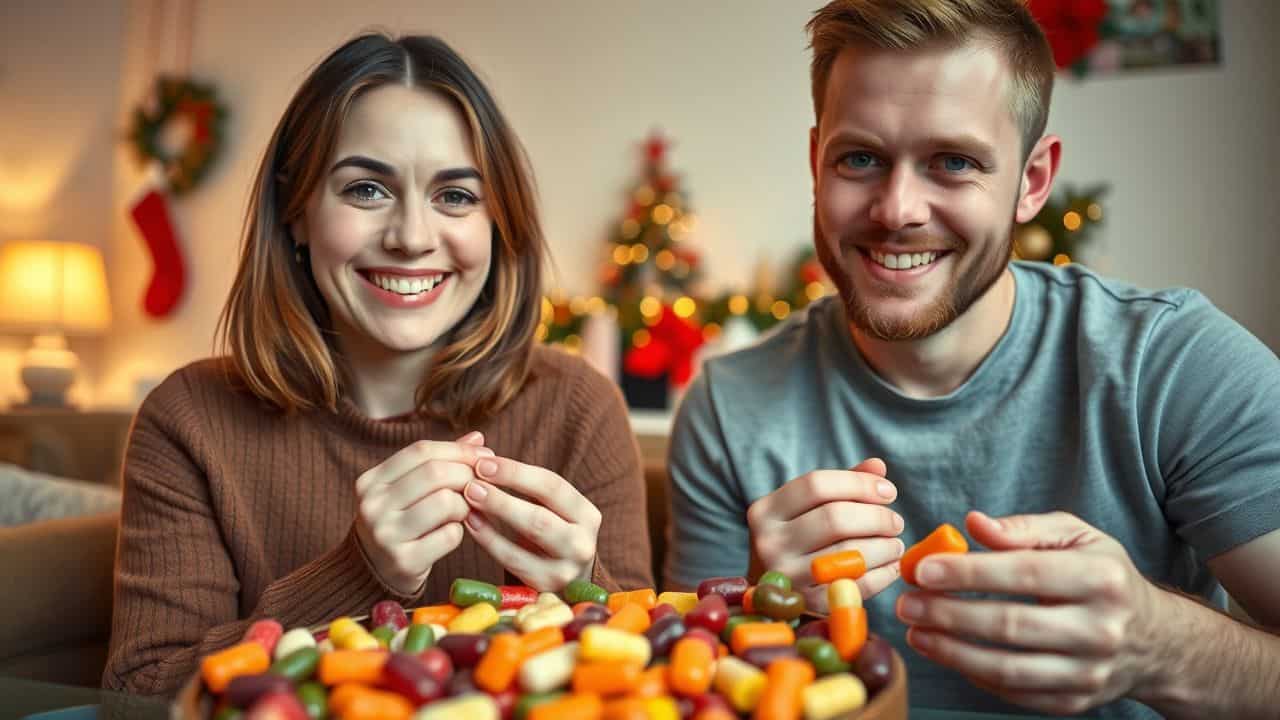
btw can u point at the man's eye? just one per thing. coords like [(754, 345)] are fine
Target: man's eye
[(366, 192), (860, 160), (956, 163)]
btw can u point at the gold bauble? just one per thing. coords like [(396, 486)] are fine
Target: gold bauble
[(1033, 242)]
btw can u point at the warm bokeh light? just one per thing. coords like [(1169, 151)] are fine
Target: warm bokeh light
[(710, 331), (644, 195), (665, 260), (1094, 211), (684, 307), (630, 229), (738, 304), (578, 305), (640, 338), (1061, 259), (650, 306), (814, 290), (595, 304), (1072, 221), (781, 309), (548, 310), (621, 254), (662, 214), (639, 253)]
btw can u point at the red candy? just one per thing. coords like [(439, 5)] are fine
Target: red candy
[(388, 613), (711, 613), (437, 663), (730, 588), (266, 633), (406, 675), (277, 706), (517, 596)]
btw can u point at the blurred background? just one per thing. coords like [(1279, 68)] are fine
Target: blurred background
[(702, 106)]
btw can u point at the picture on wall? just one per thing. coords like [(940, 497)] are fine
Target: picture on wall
[(1139, 34)]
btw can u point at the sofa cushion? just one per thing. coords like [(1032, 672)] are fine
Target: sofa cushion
[(32, 496)]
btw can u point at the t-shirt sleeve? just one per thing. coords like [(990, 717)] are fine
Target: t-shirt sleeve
[(1209, 401), (707, 533)]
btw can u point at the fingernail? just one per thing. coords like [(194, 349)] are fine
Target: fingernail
[(486, 468), (484, 452), (921, 641), (476, 491), (910, 608), (471, 437), (898, 523), (474, 521), (886, 489), (902, 547), (931, 573)]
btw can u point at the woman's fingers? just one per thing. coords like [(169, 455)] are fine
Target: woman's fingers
[(536, 571)]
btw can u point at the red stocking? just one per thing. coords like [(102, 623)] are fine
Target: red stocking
[(151, 215)]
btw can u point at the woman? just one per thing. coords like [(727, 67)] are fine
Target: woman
[(383, 422)]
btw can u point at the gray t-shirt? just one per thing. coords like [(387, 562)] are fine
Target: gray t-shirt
[(1150, 415)]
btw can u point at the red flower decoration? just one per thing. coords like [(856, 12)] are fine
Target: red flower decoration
[(682, 338), (1071, 26), (649, 360)]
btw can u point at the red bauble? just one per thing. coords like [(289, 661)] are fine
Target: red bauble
[(1071, 26), (811, 272), (655, 148), (649, 360)]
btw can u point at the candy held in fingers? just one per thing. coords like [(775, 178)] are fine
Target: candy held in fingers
[(945, 539), (843, 593), (833, 566)]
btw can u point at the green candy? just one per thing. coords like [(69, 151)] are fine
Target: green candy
[(585, 591), (775, 578), (529, 701), (465, 593), (297, 665), (776, 603), (314, 700), (383, 635), (229, 713), (419, 638), (737, 620), (822, 654)]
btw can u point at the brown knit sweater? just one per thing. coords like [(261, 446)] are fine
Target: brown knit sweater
[(234, 511)]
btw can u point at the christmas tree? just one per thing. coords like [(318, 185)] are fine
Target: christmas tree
[(1067, 221)]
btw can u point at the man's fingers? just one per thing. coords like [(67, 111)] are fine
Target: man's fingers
[(1065, 628), (818, 488), (874, 466), (1053, 574), (834, 522), (1016, 532)]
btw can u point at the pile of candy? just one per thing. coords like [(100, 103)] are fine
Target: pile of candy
[(726, 651)]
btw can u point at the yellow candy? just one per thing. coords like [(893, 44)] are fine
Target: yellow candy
[(661, 708), (843, 593), (550, 670), (347, 634), (834, 696), (739, 682), (683, 602), (605, 644), (475, 619), (476, 706), (550, 616)]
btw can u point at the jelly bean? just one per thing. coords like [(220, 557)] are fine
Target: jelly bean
[(710, 703), (244, 690), (662, 610), (833, 566), (585, 590), (383, 635), (574, 629), (437, 663), (325, 645), (601, 644), (462, 683), (477, 706), (497, 669), (683, 602), (363, 703), (737, 620), (506, 702), (298, 665), (662, 708), (843, 593), (550, 670), (705, 636), (229, 713), (833, 696), (529, 701), (848, 627), (464, 593), (653, 683), (772, 601), (405, 675), (631, 617), (691, 667), (295, 639), (277, 706), (417, 638), (822, 655), (756, 634), (775, 578), (475, 618), (388, 613), (504, 626), (606, 678), (813, 628), (730, 588), (540, 641), (435, 614), (220, 668), (711, 613), (663, 633), (313, 699), (762, 655), (464, 649), (739, 682), (570, 707), (874, 665), (347, 634), (627, 708), (351, 666), (592, 610), (783, 694), (645, 598), (265, 632), (748, 600), (552, 616), (944, 539), (515, 596)]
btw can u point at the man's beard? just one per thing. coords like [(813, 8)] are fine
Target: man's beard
[(955, 300)]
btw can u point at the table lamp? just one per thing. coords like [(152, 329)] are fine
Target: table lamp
[(51, 290)]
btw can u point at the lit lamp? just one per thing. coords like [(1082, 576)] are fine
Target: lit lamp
[(51, 290)]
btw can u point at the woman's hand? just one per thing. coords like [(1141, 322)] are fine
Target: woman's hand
[(410, 508), (553, 532)]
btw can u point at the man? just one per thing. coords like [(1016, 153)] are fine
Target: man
[(1106, 448)]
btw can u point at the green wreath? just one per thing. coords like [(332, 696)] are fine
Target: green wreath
[(173, 99)]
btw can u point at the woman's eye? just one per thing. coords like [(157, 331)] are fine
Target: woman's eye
[(456, 198), (366, 192)]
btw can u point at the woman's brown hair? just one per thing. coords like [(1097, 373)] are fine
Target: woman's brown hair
[(275, 325)]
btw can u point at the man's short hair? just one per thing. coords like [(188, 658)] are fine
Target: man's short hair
[(1006, 25)]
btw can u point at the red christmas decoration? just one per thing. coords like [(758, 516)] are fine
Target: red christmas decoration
[(1072, 26), (655, 148)]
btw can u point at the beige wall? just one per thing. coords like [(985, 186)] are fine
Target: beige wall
[(1190, 154)]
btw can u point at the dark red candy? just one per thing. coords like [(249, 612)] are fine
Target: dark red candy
[(706, 636), (814, 628), (437, 663), (388, 613), (730, 588), (245, 690), (595, 611), (506, 702), (462, 684), (761, 656), (663, 633), (662, 610), (405, 674), (874, 664), (711, 613), (465, 650), (576, 625), (712, 701)]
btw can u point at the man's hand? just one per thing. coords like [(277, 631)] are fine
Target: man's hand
[(1092, 638), (828, 511)]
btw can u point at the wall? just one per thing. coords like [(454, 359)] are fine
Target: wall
[(1190, 154)]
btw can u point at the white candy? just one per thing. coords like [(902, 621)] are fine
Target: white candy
[(295, 639), (549, 670)]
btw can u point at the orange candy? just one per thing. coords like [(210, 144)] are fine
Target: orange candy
[(945, 539), (848, 629), (247, 658), (435, 614), (833, 566)]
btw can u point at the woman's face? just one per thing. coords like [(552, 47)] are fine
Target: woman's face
[(398, 229)]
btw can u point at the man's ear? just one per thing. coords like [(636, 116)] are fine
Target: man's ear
[(813, 154), (1037, 177)]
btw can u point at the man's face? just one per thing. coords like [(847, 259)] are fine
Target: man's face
[(917, 167)]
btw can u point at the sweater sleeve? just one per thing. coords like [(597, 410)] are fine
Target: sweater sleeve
[(177, 594), (604, 463)]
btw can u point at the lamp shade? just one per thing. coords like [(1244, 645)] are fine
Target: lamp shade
[(53, 287)]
